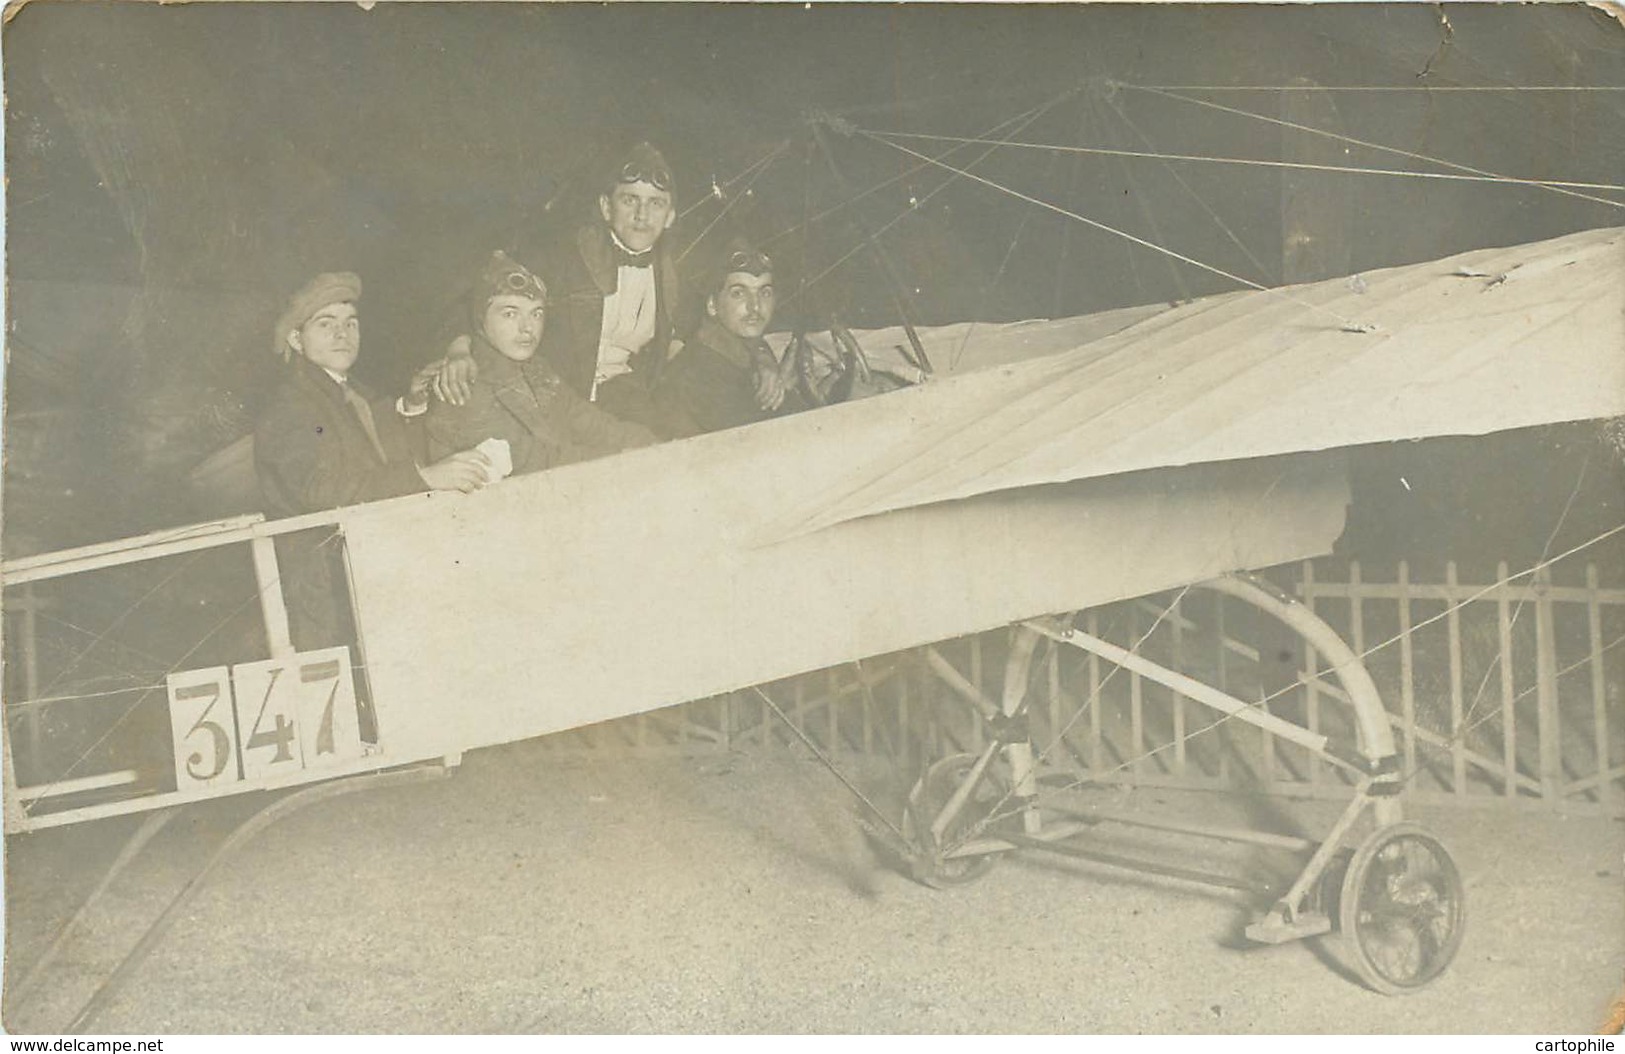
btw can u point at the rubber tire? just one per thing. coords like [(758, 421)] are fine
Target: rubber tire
[(927, 798), (1440, 894)]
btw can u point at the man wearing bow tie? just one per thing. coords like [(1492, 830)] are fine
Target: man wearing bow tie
[(614, 300)]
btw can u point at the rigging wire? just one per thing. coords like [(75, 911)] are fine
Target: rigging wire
[(1269, 163), (1150, 218), (998, 277), (1467, 723), (1343, 322), (974, 830), (120, 620), (1022, 119), (1412, 88), (821, 756), (131, 709), (766, 158), (1299, 681), (1570, 192), (911, 206), (1264, 273), (761, 168)]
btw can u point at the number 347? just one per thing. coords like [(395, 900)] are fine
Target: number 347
[(263, 719)]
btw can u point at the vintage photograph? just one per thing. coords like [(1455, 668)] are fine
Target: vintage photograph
[(813, 518)]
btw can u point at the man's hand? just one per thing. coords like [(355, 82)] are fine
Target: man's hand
[(416, 398), (455, 374), (770, 386), (467, 471)]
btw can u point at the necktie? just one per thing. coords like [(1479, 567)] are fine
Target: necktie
[(646, 258), (364, 412)]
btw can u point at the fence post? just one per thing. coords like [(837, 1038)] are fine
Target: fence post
[(1222, 731), (1357, 613), (1175, 698), (1509, 714), (905, 728), (1136, 712), (1052, 665), (1548, 719), (1407, 670), (1458, 734), (1311, 659), (1097, 753), (1606, 792)]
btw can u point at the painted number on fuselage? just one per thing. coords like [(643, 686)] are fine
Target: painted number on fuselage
[(329, 730), (267, 706), (202, 731), (263, 720)]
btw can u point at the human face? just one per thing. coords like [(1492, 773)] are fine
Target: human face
[(331, 338), (513, 325), (744, 305), (638, 213)]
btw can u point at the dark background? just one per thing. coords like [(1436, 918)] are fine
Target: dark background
[(176, 171)]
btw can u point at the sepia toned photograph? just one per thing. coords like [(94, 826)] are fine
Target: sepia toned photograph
[(692, 519)]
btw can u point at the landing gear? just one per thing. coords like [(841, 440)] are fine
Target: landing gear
[(1402, 909), (930, 860)]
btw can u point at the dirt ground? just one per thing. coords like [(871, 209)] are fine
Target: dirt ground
[(538, 892)]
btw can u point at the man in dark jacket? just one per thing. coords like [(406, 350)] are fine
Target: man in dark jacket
[(614, 300), (517, 397), (711, 383), (322, 442)]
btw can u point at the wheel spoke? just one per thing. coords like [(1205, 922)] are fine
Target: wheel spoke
[(1405, 917)]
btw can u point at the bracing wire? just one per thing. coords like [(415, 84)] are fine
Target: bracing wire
[(1343, 322), (1376, 88), (1149, 216), (1022, 119), (912, 206), (1296, 126), (721, 190), (760, 168), (1532, 570), (1252, 258), (1257, 162), (65, 774), (123, 617), (1478, 696)]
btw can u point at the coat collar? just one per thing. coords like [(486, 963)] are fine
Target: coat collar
[(598, 253), (313, 376), (735, 351), (517, 386)]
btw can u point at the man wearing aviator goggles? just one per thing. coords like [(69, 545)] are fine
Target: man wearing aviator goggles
[(518, 410), (614, 288), (711, 384), (612, 315)]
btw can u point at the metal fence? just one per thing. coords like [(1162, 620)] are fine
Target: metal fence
[(1501, 692)]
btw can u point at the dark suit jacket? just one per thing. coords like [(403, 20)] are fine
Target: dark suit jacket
[(545, 422), (311, 452), (579, 275)]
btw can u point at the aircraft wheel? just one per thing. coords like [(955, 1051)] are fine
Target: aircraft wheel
[(1402, 909), (925, 802)]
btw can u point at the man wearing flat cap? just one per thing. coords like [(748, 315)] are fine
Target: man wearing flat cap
[(615, 297), (323, 442), (517, 399), (711, 384)]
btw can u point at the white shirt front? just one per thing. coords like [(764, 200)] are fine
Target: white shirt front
[(629, 323)]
